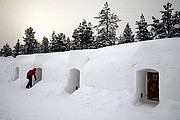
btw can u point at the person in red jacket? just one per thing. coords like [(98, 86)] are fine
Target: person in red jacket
[(30, 73)]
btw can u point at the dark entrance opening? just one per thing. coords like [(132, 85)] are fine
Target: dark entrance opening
[(38, 75), (147, 86), (153, 86)]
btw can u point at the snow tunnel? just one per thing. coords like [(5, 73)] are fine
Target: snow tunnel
[(147, 85), (38, 75), (16, 73), (74, 80)]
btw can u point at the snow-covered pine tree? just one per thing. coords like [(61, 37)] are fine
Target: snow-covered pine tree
[(83, 36), (31, 45), (106, 29), (120, 39), (18, 49), (53, 42), (1, 52), (75, 44), (68, 44), (157, 29), (45, 45), (62, 42), (127, 36), (6, 50), (142, 33), (58, 42), (176, 24), (167, 19)]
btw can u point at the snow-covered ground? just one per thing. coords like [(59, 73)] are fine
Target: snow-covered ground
[(18, 103), (95, 99)]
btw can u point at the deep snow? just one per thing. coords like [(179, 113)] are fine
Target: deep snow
[(18, 103), (98, 98)]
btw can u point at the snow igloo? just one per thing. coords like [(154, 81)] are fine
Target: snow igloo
[(145, 69)]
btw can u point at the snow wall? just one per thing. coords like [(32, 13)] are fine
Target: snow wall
[(21, 66), (117, 68), (6, 69), (77, 59), (55, 71)]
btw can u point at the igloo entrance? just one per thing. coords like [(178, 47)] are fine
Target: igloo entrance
[(38, 75), (147, 85), (74, 80), (16, 73)]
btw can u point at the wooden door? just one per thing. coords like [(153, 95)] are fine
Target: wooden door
[(153, 86)]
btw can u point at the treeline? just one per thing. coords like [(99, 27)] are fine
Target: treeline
[(84, 37)]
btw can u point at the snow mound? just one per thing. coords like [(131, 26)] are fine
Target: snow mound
[(103, 99), (20, 83), (49, 88)]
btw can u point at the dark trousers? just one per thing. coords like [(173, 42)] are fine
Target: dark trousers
[(29, 85)]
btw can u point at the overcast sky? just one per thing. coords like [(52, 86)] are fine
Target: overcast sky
[(46, 16)]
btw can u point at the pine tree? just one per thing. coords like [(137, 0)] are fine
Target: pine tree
[(18, 49), (120, 39), (58, 42), (167, 19), (127, 37), (1, 52), (176, 24), (61, 38), (142, 30), (53, 42), (45, 45), (68, 45), (83, 36), (106, 29), (157, 29), (168, 26), (176, 17), (31, 44), (6, 50), (75, 45)]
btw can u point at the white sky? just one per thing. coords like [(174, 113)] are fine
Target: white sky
[(46, 16)]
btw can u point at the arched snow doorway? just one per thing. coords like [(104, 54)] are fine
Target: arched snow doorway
[(74, 80), (16, 73), (147, 85), (38, 75)]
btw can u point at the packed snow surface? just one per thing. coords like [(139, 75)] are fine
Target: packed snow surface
[(105, 92)]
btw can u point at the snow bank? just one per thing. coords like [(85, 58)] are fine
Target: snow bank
[(19, 83), (168, 110), (102, 99)]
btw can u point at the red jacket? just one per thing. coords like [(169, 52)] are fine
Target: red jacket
[(31, 72)]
